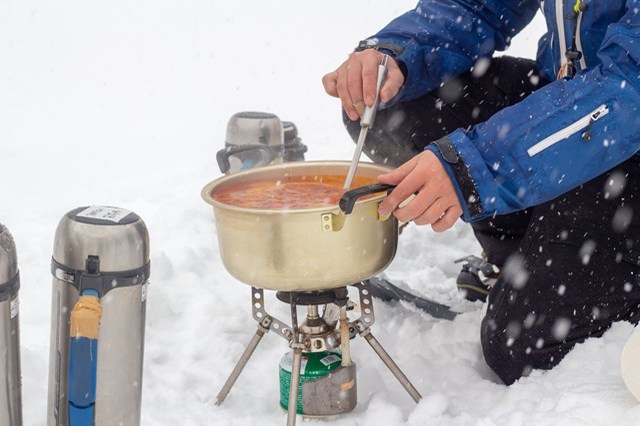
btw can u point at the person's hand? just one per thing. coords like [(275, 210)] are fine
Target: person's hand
[(354, 82), (436, 202)]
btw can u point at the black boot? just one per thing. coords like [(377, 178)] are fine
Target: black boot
[(476, 277)]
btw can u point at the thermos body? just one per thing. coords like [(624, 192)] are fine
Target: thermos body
[(257, 139), (10, 373), (100, 253), (254, 139)]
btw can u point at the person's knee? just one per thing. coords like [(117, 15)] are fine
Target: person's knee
[(513, 352), (500, 354)]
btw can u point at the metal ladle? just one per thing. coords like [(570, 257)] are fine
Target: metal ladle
[(366, 122)]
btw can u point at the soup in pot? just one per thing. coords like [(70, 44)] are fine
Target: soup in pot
[(291, 192)]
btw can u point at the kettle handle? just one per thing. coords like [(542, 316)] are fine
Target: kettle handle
[(223, 155), (348, 200)]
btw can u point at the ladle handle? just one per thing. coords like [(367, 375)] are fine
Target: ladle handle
[(348, 200), (223, 155)]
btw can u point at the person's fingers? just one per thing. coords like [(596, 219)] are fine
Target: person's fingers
[(393, 82), (343, 88), (354, 82), (354, 77), (425, 176), (405, 186), (395, 176), (448, 219), (423, 210), (330, 83), (370, 60)]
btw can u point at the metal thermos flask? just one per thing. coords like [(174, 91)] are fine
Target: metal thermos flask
[(100, 269), (10, 379), (294, 149), (253, 139)]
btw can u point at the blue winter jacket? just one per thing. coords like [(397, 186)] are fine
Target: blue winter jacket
[(539, 148)]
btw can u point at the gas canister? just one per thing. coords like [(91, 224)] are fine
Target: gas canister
[(325, 387)]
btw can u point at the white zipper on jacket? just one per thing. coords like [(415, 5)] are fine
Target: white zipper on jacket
[(561, 36), (568, 131), (583, 62)]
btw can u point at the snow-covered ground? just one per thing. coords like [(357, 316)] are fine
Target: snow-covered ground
[(125, 103)]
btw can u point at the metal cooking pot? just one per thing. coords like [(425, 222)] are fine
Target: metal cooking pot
[(304, 249)]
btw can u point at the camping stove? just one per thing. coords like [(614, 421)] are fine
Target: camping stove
[(318, 376)]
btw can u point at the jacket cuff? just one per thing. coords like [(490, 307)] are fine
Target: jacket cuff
[(459, 174)]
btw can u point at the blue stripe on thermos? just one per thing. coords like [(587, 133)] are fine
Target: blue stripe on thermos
[(82, 380)]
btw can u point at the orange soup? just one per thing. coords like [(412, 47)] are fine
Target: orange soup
[(292, 192)]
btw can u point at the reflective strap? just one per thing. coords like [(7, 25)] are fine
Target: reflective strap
[(10, 288), (102, 282)]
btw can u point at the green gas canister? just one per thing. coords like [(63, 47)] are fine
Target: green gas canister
[(315, 365)]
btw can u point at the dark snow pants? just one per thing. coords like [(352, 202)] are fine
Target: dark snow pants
[(570, 267)]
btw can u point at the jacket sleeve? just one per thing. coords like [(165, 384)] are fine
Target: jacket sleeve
[(558, 138), (443, 38)]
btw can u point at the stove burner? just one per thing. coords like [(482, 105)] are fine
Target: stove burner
[(339, 296), (332, 392)]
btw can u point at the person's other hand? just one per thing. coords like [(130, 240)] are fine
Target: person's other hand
[(436, 202), (354, 82)]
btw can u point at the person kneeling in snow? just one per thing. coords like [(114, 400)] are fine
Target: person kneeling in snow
[(540, 157)]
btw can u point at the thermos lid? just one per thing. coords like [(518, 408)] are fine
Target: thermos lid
[(8, 257), (118, 237), (251, 127)]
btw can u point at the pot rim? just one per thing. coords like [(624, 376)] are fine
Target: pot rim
[(206, 192)]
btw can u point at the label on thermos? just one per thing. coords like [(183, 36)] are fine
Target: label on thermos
[(144, 292), (112, 214), (14, 307)]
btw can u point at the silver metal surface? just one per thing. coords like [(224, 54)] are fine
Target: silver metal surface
[(367, 315), (388, 361), (292, 406), (10, 372), (318, 335), (297, 346), (120, 246), (356, 158), (254, 139), (8, 257), (366, 122), (289, 249), (369, 114), (332, 394), (314, 325), (265, 323), (242, 362), (63, 299), (344, 337), (335, 393), (362, 326), (120, 355), (260, 315), (248, 128)]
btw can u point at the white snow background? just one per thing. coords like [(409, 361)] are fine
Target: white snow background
[(125, 103)]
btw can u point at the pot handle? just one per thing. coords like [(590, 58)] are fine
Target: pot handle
[(223, 155), (348, 200)]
